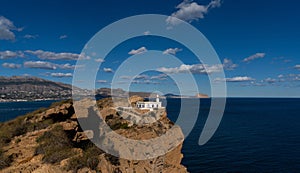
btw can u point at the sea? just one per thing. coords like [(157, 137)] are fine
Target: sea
[(255, 134)]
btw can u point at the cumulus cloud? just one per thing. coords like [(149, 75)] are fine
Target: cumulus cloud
[(280, 76), (255, 56), (138, 51), (99, 60), (63, 37), (297, 67), (146, 33), (172, 51), (101, 81), (228, 64), (11, 54), (29, 36), (66, 66), (189, 11), (47, 55), (11, 65), (47, 65), (60, 75), (144, 82), (160, 77), (6, 29), (125, 77), (195, 68), (235, 79), (40, 65), (143, 76), (270, 80), (108, 70)]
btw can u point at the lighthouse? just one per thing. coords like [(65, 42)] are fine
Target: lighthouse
[(150, 105)]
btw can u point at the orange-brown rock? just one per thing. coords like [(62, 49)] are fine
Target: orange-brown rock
[(22, 148)]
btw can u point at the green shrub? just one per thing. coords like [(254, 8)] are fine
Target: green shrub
[(89, 159), (21, 125), (5, 161), (54, 145), (119, 125)]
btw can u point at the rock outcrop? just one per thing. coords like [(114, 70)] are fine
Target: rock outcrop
[(52, 140)]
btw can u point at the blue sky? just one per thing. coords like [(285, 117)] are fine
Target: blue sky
[(257, 42)]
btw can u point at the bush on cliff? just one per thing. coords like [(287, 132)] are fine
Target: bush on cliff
[(54, 145), (89, 159)]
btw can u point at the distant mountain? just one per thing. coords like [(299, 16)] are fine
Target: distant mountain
[(198, 95), (20, 88), (169, 95), (107, 92), (32, 88)]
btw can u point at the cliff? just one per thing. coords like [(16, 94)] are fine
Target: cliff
[(51, 140)]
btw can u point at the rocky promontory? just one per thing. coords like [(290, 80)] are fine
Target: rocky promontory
[(51, 140)]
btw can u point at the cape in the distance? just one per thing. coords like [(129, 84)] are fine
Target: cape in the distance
[(21, 88)]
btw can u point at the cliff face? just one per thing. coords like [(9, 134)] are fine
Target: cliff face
[(51, 140)]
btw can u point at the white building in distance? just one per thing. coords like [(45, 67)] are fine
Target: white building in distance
[(149, 105)]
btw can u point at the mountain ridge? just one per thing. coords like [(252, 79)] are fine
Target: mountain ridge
[(27, 88)]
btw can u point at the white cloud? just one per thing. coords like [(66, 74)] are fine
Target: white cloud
[(11, 54), (29, 36), (99, 60), (235, 79), (146, 33), (280, 76), (190, 11), (144, 82), (297, 67), (228, 64), (47, 65), (160, 77), (138, 51), (270, 80), (255, 56), (101, 81), (63, 37), (143, 76), (172, 51), (40, 65), (195, 68), (11, 65), (47, 55), (108, 70), (6, 29), (126, 77), (60, 75), (66, 66)]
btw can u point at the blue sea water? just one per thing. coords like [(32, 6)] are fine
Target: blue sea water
[(255, 135), (10, 110)]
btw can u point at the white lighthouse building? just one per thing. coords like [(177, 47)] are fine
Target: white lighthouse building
[(149, 105)]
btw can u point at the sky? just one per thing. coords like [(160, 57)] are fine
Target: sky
[(257, 43)]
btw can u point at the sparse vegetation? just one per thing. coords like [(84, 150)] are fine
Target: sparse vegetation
[(54, 145), (5, 161), (60, 103), (119, 125), (89, 159), (21, 125)]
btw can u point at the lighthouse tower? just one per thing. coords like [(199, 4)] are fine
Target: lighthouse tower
[(157, 98)]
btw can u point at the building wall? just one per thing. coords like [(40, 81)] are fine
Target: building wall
[(145, 105)]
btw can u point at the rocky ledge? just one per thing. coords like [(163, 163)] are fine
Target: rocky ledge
[(51, 140)]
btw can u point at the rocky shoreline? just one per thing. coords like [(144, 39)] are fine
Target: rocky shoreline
[(51, 140)]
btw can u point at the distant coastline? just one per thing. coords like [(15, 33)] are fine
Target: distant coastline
[(24, 89), (31, 100)]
